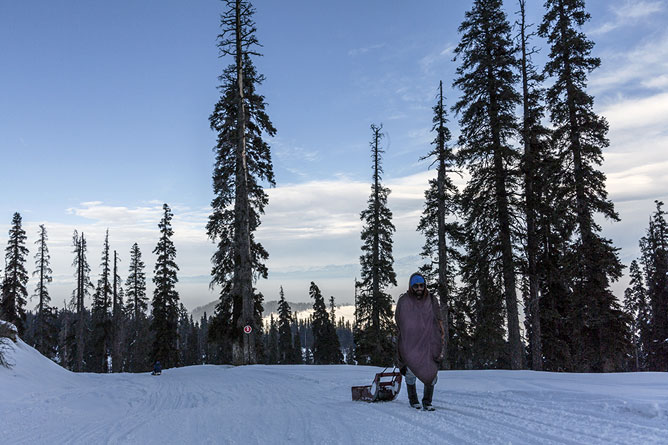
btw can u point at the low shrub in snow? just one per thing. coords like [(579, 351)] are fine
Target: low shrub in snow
[(7, 332)]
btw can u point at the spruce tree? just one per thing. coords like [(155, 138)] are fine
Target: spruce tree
[(203, 339), (165, 297), (14, 292), (222, 329), (332, 310), (194, 356), (285, 348), (481, 296), (187, 338), (654, 248), (137, 301), (600, 339), (138, 345), (534, 137), (375, 326), (243, 161), (486, 79), (326, 347), (272, 341), (117, 321), (46, 340), (298, 355), (101, 315), (555, 223), (76, 339), (638, 310), (442, 235)]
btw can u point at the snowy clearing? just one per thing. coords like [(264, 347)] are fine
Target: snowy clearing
[(43, 403)]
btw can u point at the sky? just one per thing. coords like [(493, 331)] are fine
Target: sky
[(104, 117)]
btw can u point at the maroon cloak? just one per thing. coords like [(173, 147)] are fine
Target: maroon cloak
[(419, 341)]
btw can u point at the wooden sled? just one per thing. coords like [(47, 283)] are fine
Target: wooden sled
[(384, 388)]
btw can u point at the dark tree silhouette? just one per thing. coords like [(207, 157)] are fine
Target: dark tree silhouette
[(165, 297), (243, 160), (14, 292), (486, 78), (375, 326)]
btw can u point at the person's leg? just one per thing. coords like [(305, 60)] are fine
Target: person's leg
[(428, 395), (411, 389)]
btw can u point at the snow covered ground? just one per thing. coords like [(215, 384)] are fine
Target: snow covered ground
[(43, 403)]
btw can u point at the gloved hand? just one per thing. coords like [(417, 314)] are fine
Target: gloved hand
[(402, 370)]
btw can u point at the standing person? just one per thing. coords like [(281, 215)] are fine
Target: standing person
[(420, 339), (157, 368)]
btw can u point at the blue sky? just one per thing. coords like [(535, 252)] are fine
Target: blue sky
[(104, 108)]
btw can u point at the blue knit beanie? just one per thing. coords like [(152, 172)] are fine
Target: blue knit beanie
[(416, 279)]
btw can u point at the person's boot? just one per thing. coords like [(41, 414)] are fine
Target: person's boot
[(426, 398), (412, 396)]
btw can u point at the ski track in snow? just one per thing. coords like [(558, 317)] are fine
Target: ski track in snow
[(42, 403)]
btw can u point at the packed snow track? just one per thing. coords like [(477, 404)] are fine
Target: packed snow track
[(43, 403)]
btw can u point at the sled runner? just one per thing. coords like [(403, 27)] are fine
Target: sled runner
[(384, 388)]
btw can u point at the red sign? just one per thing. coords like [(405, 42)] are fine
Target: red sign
[(248, 329)]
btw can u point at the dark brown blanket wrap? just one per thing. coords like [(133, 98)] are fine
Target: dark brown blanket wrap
[(419, 341)]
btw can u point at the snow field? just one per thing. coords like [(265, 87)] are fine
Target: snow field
[(43, 403)]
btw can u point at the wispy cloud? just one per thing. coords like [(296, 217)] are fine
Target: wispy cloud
[(644, 66), (428, 62), (630, 12), (116, 216), (291, 153), (365, 49), (639, 113)]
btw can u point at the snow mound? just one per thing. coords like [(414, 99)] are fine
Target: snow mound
[(298, 404), (30, 371)]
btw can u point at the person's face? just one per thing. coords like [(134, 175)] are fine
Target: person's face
[(418, 289)]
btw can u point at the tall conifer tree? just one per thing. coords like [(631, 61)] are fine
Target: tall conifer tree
[(441, 233), (101, 314), (654, 248), (286, 352), (272, 341), (486, 78), (14, 292), (45, 330), (137, 304), (481, 295), (637, 308), (135, 285), (299, 358), (534, 137), (117, 321), (165, 297), (243, 161), (332, 310), (375, 326), (599, 333), (84, 287), (326, 346)]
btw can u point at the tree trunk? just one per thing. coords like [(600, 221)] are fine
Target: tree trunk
[(375, 252), (583, 219), (502, 205), (40, 313), (442, 241), (116, 360), (532, 244), (244, 279), (80, 306)]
